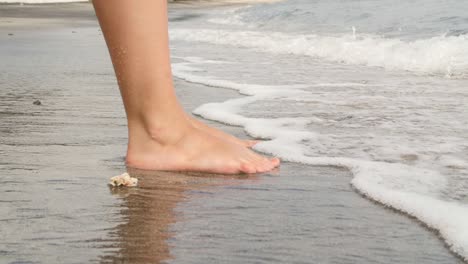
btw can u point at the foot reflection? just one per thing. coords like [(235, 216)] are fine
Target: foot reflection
[(148, 211)]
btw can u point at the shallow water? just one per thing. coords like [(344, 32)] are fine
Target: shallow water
[(389, 108), (57, 157)]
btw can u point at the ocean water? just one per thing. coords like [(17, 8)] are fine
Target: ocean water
[(397, 133), (377, 87)]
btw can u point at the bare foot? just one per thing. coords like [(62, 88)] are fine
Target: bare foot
[(196, 150), (216, 132)]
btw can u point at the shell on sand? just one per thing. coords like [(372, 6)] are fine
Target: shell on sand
[(123, 180)]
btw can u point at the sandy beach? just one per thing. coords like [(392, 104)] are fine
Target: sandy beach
[(56, 156)]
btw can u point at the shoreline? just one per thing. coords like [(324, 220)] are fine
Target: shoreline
[(69, 147)]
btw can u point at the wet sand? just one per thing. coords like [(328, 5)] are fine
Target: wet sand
[(57, 156)]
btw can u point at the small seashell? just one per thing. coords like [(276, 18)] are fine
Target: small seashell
[(123, 180)]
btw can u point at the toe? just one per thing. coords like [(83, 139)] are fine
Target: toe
[(263, 168), (248, 168), (275, 161), (264, 165), (268, 164), (250, 143)]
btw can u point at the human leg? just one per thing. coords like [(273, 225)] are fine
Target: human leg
[(161, 137)]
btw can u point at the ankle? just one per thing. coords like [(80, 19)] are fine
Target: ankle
[(145, 142), (160, 132), (168, 133)]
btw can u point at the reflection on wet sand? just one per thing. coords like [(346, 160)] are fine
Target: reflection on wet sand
[(148, 211)]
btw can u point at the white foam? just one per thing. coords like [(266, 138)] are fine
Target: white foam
[(229, 17), (413, 190), (438, 55), (453, 162)]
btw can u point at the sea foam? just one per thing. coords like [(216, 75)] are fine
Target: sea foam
[(446, 55), (412, 190)]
